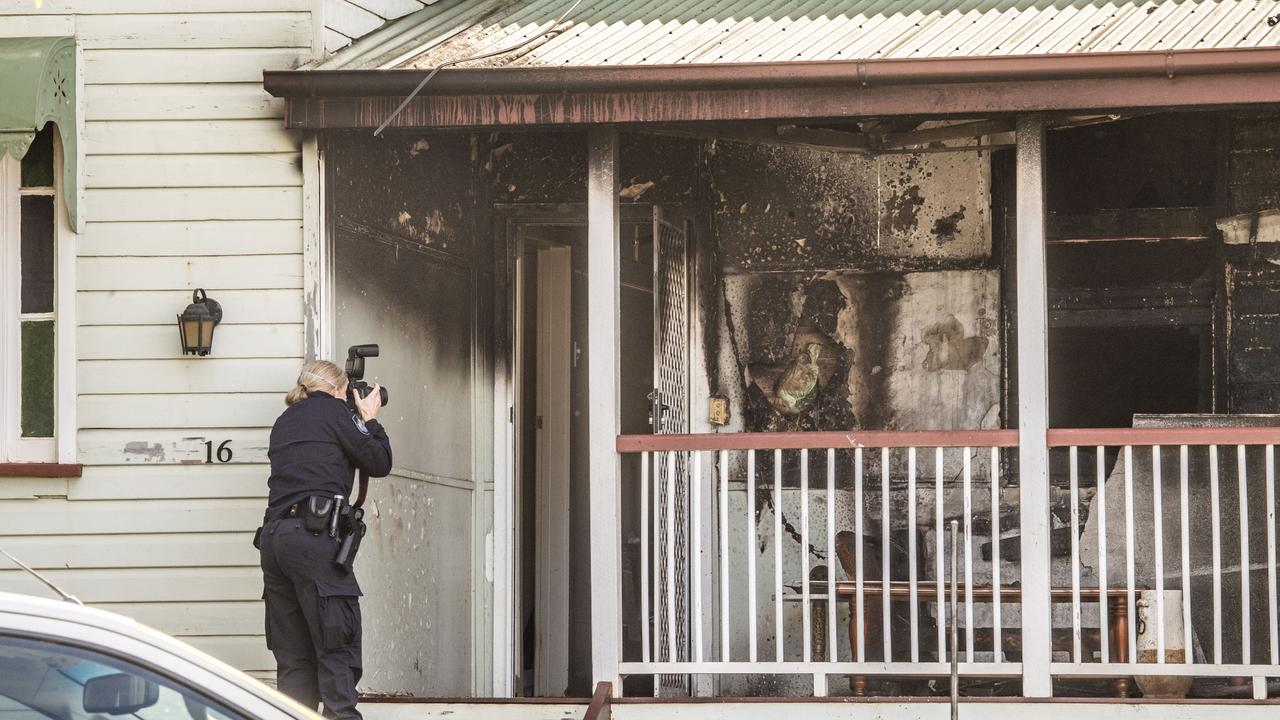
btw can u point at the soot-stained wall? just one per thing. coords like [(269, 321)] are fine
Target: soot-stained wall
[(1251, 275), (854, 293), (783, 208), (858, 292), (414, 219), (837, 292), (410, 266)]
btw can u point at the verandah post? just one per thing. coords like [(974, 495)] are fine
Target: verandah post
[(603, 234), (1033, 408)]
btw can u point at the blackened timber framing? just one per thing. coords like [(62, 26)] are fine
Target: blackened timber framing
[(1165, 305), (1174, 223)]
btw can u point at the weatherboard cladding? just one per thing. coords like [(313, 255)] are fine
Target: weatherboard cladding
[(190, 180), (658, 32)]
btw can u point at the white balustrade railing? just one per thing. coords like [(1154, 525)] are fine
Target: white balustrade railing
[(1152, 490), (870, 508), (732, 529)]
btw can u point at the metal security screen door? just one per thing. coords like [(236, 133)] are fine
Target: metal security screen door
[(670, 415)]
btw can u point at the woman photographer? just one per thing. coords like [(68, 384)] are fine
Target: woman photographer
[(312, 604)]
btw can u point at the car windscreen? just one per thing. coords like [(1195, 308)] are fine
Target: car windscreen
[(40, 680)]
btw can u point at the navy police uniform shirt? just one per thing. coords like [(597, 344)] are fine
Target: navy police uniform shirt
[(316, 446)]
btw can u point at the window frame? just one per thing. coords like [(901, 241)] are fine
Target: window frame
[(15, 449)]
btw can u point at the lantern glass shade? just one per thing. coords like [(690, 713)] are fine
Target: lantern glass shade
[(196, 324), (197, 335)]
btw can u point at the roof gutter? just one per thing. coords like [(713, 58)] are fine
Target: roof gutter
[(531, 95), (890, 71)]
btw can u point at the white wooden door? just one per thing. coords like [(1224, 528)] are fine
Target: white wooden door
[(551, 666)]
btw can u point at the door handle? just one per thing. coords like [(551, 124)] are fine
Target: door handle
[(657, 410)]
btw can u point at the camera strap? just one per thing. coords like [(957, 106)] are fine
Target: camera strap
[(364, 489)]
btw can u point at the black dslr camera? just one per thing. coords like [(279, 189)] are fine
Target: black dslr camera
[(355, 374)]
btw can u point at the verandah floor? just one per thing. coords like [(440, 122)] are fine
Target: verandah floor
[(823, 709)]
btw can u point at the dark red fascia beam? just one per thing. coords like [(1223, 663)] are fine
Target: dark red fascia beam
[(506, 96)]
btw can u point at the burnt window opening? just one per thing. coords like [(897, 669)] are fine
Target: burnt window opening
[(1102, 376), (1154, 161), (1130, 266)]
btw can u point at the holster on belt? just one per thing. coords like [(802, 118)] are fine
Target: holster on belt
[(351, 533), (257, 534), (351, 527), (316, 512)]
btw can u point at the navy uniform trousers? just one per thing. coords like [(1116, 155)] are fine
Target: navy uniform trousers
[(313, 618)]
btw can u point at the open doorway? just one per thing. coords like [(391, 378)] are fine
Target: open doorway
[(545, 345), (552, 558)]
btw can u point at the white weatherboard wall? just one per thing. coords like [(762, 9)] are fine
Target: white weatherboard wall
[(191, 182)]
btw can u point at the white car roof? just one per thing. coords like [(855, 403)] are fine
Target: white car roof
[(66, 611)]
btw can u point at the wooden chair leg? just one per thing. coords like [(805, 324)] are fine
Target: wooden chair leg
[(818, 629), (1120, 633), (857, 683), (846, 551)]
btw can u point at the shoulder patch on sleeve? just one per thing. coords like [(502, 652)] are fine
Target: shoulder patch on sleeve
[(359, 424)]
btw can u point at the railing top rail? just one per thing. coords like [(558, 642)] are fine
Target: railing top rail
[(817, 440), (1057, 437), (1084, 437)]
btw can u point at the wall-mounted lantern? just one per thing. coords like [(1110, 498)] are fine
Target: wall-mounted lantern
[(196, 323)]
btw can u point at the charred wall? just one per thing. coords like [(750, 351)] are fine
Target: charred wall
[(840, 291), (858, 292), (411, 271), (826, 259), (1250, 276), (853, 292), (449, 197)]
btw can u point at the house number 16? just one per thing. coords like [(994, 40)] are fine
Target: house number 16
[(223, 453)]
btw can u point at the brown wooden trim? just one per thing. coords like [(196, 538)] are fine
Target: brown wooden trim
[(809, 700), (419, 700), (599, 706), (40, 470), (913, 699), (791, 103), (1057, 437), (818, 440), (1164, 436)]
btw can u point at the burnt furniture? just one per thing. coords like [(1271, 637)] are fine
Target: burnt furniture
[(900, 591)]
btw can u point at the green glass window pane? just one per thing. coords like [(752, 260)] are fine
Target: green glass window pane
[(37, 379), (37, 254), (37, 164)]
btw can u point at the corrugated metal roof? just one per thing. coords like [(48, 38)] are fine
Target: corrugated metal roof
[(658, 32)]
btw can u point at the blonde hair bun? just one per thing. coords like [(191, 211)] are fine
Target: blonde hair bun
[(318, 376)]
